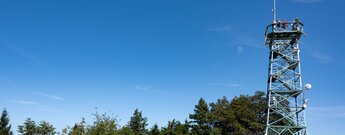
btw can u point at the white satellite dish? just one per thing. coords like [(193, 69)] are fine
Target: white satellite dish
[(304, 105), (307, 86)]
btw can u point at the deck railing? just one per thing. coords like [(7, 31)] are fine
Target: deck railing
[(284, 27)]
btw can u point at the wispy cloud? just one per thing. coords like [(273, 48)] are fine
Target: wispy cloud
[(19, 50), (308, 1), (50, 96), (26, 54), (25, 102), (321, 57), (246, 40), (226, 84), (149, 88), (142, 87), (237, 38)]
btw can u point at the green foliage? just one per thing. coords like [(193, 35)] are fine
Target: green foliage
[(5, 127), (103, 125), (28, 128), (138, 123), (216, 131), (78, 128), (183, 129), (125, 131), (243, 114), (176, 128), (44, 128), (222, 115), (201, 122), (259, 107), (154, 130)]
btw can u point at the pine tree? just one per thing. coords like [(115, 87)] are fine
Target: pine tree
[(201, 123), (175, 127), (170, 129), (5, 128), (185, 128), (45, 128), (138, 123), (28, 128), (154, 130)]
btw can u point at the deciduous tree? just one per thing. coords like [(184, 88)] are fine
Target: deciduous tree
[(103, 125), (125, 131)]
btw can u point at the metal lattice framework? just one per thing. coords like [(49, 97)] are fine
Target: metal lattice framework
[(286, 103)]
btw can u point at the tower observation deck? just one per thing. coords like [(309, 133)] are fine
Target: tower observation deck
[(286, 102)]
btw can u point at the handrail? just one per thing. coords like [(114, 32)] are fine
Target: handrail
[(289, 27)]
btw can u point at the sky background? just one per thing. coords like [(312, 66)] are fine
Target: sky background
[(62, 59)]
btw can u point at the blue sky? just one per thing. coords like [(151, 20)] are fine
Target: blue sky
[(59, 60)]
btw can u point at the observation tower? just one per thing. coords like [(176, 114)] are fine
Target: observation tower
[(285, 93)]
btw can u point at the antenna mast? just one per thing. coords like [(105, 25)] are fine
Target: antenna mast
[(274, 10)]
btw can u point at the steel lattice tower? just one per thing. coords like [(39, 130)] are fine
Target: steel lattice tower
[(286, 103)]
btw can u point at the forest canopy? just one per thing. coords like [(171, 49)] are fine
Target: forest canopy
[(241, 115)]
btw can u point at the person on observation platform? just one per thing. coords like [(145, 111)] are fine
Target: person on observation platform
[(297, 20), (295, 24), (278, 24), (284, 24)]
